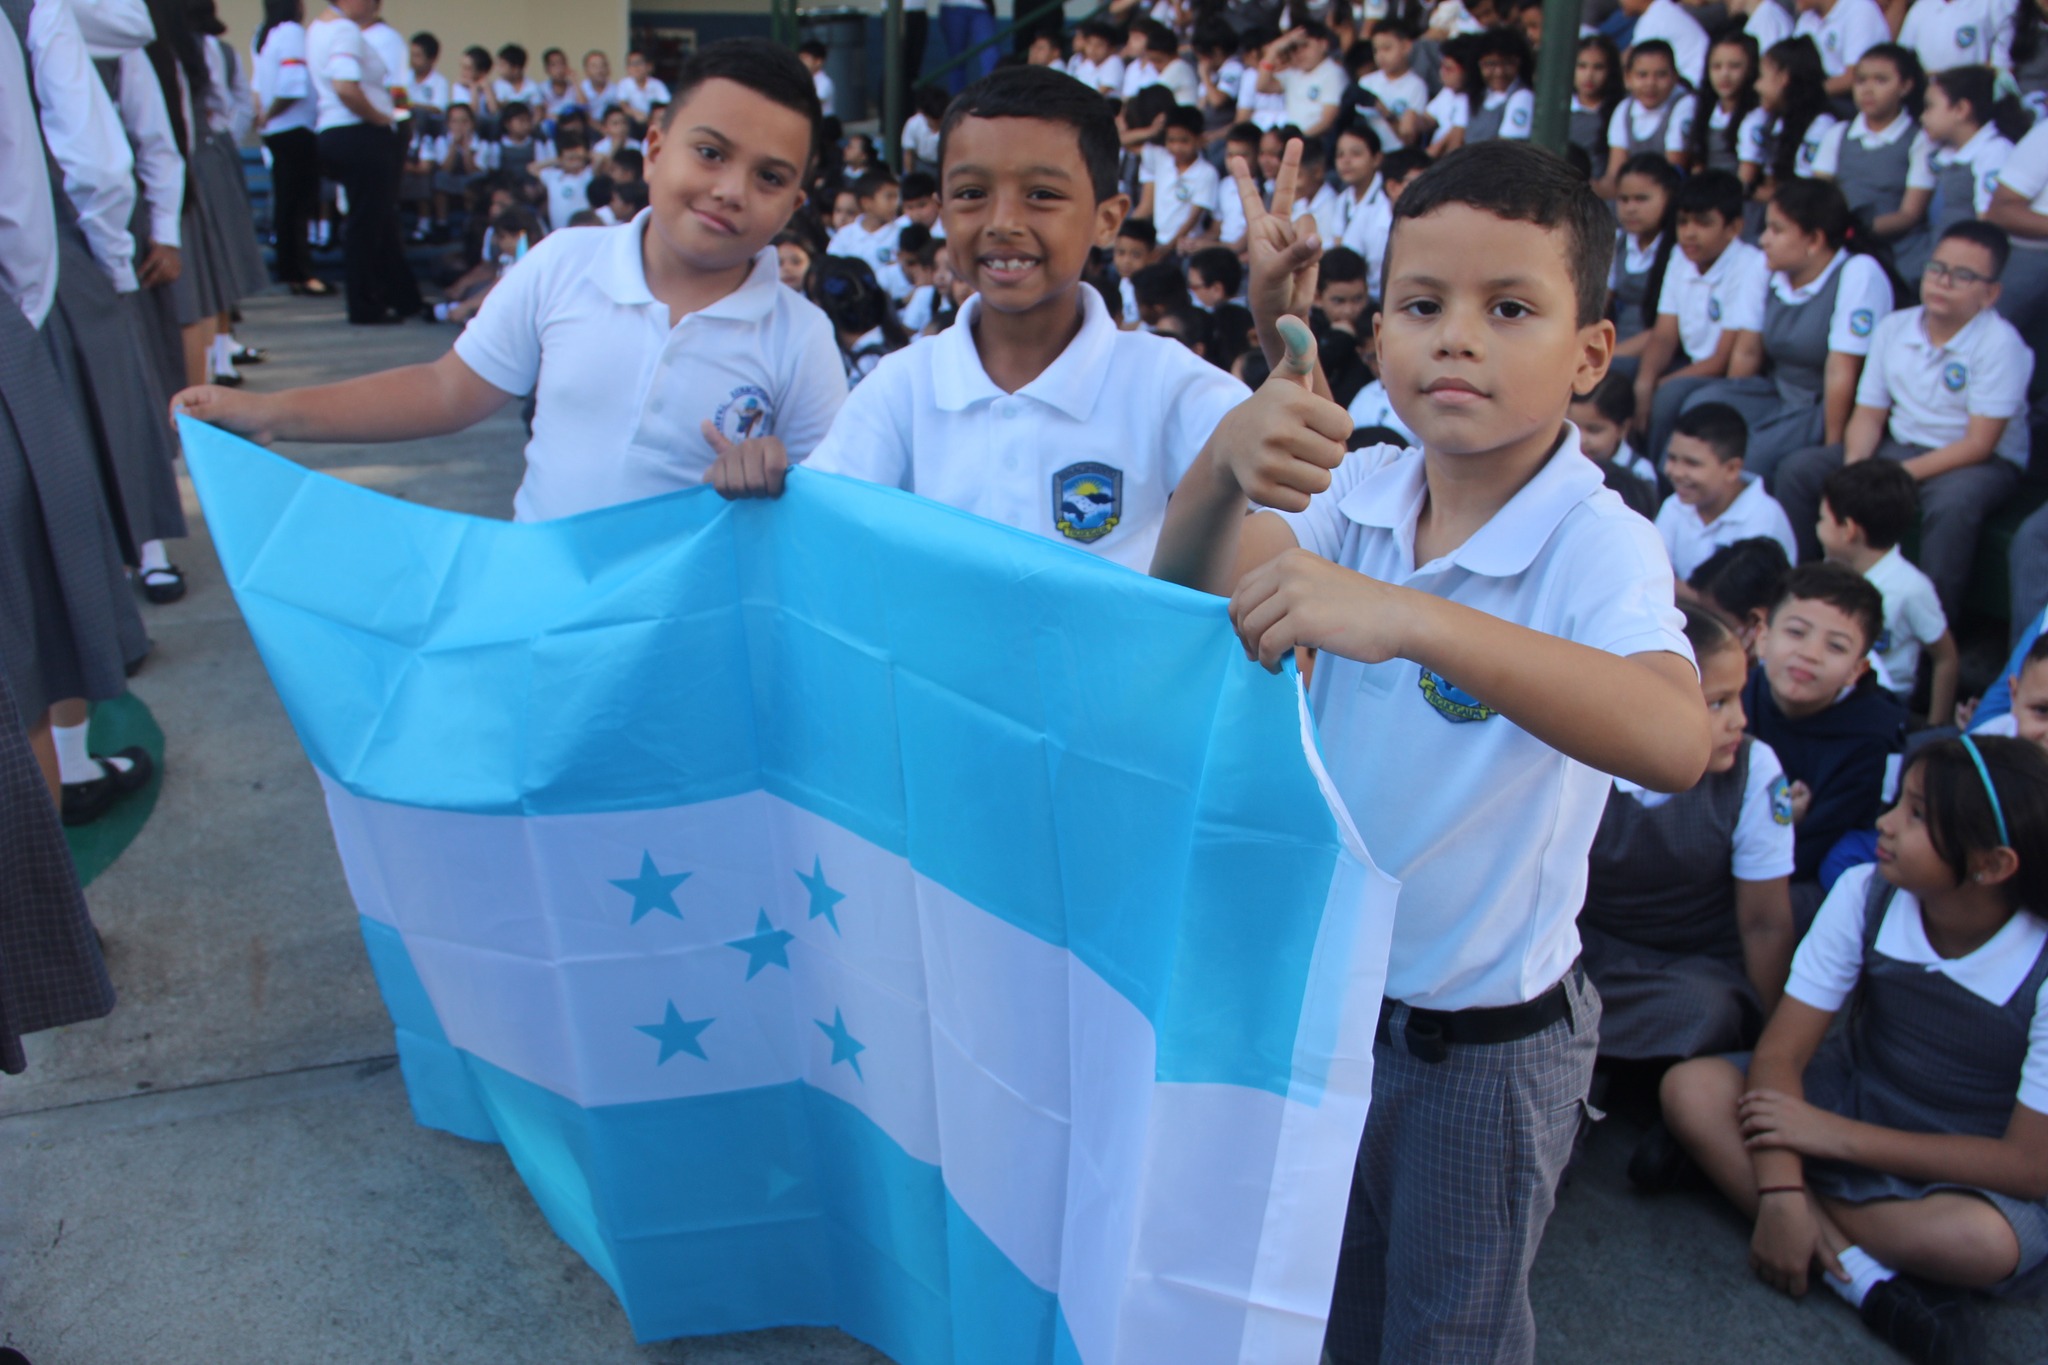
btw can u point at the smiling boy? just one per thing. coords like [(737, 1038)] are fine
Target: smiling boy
[(652, 350), (1714, 502), (1490, 616)]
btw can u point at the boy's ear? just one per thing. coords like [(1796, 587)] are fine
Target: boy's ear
[(1596, 354), (1109, 216)]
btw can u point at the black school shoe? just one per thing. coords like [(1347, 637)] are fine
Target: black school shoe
[(162, 585), (85, 802), (1659, 1164), (1928, 1323)]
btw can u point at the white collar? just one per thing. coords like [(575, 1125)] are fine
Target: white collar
[(1781, 282), (1354, 202), (1723, 263), (1960, 341), (1072, 383), (1391, 498), (1893, 131), (1634, 255), (1993, 972), (1979, 143), (1752, 489), (621, 273)]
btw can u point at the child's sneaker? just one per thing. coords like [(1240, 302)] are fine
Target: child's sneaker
[(1927, 1323)]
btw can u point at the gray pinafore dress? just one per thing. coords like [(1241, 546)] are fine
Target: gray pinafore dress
[(223, 261), (1631, 291), (1873, 180), (1922, 1054), (1587, 128), (1721, 152), (1485, 124), (1654, 141), (1955, 196), (1661, 942), (513, 159)]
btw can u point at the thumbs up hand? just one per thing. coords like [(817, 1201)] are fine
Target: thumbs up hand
[(1280, 444)]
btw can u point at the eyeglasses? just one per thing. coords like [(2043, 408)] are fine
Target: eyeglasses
[(1955, 274)]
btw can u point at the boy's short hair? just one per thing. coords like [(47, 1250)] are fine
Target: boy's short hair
[(554, 52), (633, 193), (1312, 154), (917, 244), (767, 68), (481, 56), (512, 109), (1718, 427), (1321, 32), (1365, 133), (517, 220), (1148, 106), (1187, 118), (1051, 96), (1403, 162), (1651, 47), (1214, 35), (1840, 587), (931, 101), (1245, 132), (427, 43), (1743, 577), (1878, 495), (1397, 27), (1710, 192), (919, 185), (1139, 230), (569, 140), (1341, 265), (512, 54), (629, 159), (872, 182), (1096, 28), (1614, 398), (813, 48), (585, 218), (599, 191), (1523, 183), (1158, 37), (1977, 232), (1219, 266), (1160, 285)]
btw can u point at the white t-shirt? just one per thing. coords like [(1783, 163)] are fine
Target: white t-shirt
[(1176, 76), (1086, 454), (822, 83), (1948, 33), (1829, 962), (2026, 173), (1266, 108), (1371, 407), (621, 394), (1311, 95), (1985, 154), (1689, 540), (1668, 20), (921, 138), (1845, 32), (878, 249), (1933, 391), (337, 51), (1106, 75), (1763, 826), (1397, 95), (1728, 297), (1770, 24), (1632, 122), (1177, 194), (596, 101), (568, 193), (430, 90), (281, 74), (1367, 222), (641, 99), (1863, 301), (393, 50), (1913, 619), (1449, 109), (1489, 827)]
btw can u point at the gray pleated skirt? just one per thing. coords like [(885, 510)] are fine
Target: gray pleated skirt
[(223, 262), (103, 360), (68, 620)]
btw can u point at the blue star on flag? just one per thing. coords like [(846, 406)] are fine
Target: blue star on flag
[(651, 890), (823, 897), (845, 1047), (676, 1034), (768, 946)]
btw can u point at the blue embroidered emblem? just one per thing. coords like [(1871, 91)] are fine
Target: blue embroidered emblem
[(1713, 309), (744, 413), (1452, 704), (1087, 501), (1954, 376), (1861, 321), (1966, 37), (1781, 800)]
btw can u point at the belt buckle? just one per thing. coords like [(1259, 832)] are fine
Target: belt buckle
[(1425, 1039)]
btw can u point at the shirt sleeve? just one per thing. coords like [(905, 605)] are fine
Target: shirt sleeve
[(1863, 300), (1671, 297), (1203, 396), (502, 342), (84, 135), (2026, 170), (1518, 116), (293, 80), (1999, 386), (1320, 528), (868, 439), (1828, 159), (1989, 166), (1763, 829), (1920, 159), (814, 389), (1617, 126), (2034, 1071), (1865, 29), (1873, 389), (1742, 305), (1921, 613), (157, 163), (344, 60), (1749, 137), (1830, 958), (1680, 125)]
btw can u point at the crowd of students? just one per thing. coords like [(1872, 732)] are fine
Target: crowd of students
[(1666, 456)]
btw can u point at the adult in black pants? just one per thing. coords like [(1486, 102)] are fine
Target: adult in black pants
[(358, 150), (284, 91)]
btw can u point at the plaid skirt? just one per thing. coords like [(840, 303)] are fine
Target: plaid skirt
[(223, 262)]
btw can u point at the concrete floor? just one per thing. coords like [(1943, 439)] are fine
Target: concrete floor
[(225, 1169)]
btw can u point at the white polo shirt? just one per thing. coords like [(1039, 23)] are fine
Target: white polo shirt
[(1770, 24), (1667, 19), (1729, 297), (1106, 75), (1763, 823), (1985, 154), (641, 99), (1486, 826), (1758, 125), (621, 394), (1266, 108), (2026, 174), (1913, 619), (1933, 391), (1311, 94), (1829, 962), (1633, 121), (1689, 540), (1397, 95), (878, 249), (1863, 301), (1177, 194), (430, 90), (281, 75), (528, 92), (1948, 33), (1449, 109), (1827, 161), (1368, 222), (1086, 454), (1371, 407), (568, 192), (1176, 76), (596, 102), (337, 51), (1845, 32)]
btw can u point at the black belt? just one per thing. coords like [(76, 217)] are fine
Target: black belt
[(1431, 1033)]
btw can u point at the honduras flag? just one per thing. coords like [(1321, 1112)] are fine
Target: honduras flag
[(844, 911)]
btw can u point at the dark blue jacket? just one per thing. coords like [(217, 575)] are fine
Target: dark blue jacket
[(1840, 754)]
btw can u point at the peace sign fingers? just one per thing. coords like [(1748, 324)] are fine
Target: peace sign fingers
[(1290, 175), (1247, 190)]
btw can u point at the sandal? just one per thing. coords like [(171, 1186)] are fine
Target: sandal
[(163, 585)]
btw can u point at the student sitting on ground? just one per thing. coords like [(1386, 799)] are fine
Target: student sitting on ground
[(1812, 700), (2028, 718), (1714, 500), (1866, 509), (1903, 1152), (1944, 393)]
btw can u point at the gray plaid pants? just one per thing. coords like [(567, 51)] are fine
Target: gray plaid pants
[(1457, 1174)]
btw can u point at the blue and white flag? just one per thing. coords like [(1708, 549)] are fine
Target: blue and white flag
[(844, 910)]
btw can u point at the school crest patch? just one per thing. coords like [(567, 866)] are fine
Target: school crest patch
[(743, 414), (1966, 37), (1519, 118), (1861, 321), (1954, 376), (1713, 309), (1087, 501), (1781, 800), (1452, 704)]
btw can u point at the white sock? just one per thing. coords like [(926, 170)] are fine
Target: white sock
[(153, 556), (223, 356), (1866, 1272), (74, 764)]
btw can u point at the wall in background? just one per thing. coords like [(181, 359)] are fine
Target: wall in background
[(575, 26)]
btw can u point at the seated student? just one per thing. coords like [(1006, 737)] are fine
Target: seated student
[(1215, 279), (917, 251), (1158, 289), (518, 149), (2020, 206), (1794, 380), (1488, 614), (919, 194), (2028, 684), (1715, 500), (1137, 246), (1597, 91), (1876, 157), (1241, 143), (1159, 63), (1318, 199), (1450, 109), (1398, 92), (872, 236), (1742, 582), (921, 133), (1399, 169), (567, 180), (618, 137), (1653, 119), (1603, 418), (1970, 130), (1340, 322), (1097, 64), (1812, 700), (1687, 928), (1713, 293), (584, 308), (1312, 82), (1181, 196), (1944, 392), (863, 319), (1865, 511), (1505, 105), (1902, 1151), (1033, 409), (1362, 214), (1671, 23), (1713, 138), (1646, 207), (1842, 30)]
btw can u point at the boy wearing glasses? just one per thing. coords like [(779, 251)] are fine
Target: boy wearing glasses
[(1944, 393)]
